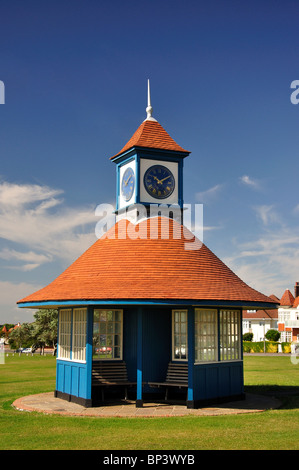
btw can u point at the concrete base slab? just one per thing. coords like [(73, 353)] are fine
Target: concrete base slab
[(48, 404)]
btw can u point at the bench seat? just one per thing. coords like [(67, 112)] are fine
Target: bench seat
[(110, 374), (176, 376)]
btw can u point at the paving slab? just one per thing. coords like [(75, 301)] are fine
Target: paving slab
[(48, 404)]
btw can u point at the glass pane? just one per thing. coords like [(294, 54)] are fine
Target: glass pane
[(117, 315), (103, 315), (110, 315), (184, 328), (183, 316)]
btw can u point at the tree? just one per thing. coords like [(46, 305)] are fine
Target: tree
[(22, 336), (45, 328), (272, 335), (247, 336)]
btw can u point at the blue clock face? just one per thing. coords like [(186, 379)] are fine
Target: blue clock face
[(159, 182), (128, 184)]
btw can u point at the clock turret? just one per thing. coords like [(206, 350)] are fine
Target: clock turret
[(149, 168)]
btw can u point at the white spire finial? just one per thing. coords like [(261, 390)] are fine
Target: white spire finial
[(149, 108)]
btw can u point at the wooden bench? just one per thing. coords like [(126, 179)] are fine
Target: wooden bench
[(110, 374), (177, 376)]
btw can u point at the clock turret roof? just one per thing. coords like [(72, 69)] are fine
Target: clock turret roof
[(150, 134)]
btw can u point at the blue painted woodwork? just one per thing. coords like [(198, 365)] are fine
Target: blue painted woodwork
[(139, 357), (152, 154), (218, 380), (191, 355), (72, 378), (147, 350), (161, 302)]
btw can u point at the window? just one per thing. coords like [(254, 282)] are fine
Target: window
[(72, 334), (230, 333), (179, 335), (206, 347), (286, 336), (79, 334), (107, 334), (65, 324)]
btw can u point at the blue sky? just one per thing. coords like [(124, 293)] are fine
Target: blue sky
[(75, 75)]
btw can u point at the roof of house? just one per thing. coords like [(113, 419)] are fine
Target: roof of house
[(296, 302), (161, 264), (260, 314), (287, 299), (150, 134)]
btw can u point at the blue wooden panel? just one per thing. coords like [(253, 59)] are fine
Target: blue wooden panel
[(67, 378), (82, 383), (212, 382), (222, 379), (71, 378), (75, 381), (156, 343), (60, 377)]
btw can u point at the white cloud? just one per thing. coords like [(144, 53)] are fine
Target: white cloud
[(10, 293), (27, 218), (268, 263), (267, 214), (209, 194), (16, 195), (248, 181)]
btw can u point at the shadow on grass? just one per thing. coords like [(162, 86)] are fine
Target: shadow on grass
[(288, 395)]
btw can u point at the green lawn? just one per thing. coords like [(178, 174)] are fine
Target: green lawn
[(273, 429)]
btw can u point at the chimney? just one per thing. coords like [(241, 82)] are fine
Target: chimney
[(296, 289)]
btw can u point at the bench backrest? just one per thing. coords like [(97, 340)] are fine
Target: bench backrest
[(177, 373), (110, 371)]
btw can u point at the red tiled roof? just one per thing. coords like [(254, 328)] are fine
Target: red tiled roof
[(151, 134), (119, 267), (296, 302), (287, 299), (259, 314), (273, 297)]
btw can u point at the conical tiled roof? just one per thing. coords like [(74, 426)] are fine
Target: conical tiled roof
[(160, 264), (287, 299), (150, 134)]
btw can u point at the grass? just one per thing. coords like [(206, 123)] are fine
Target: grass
[(273, 429)]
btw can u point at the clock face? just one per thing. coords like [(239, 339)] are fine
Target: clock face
[(128, 184), (159, 182)]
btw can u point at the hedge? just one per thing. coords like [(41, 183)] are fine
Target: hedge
[(271, 347)]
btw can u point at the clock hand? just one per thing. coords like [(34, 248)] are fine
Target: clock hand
[(126, 182), (165, 178), (159, 182)]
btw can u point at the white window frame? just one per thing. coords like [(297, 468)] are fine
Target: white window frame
[(94, 358), (179, 334), (65, 334), (79, 334), (205, 329), (230, 331)]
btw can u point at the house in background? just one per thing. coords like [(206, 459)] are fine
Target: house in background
[(260, 321), (288, 316)]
